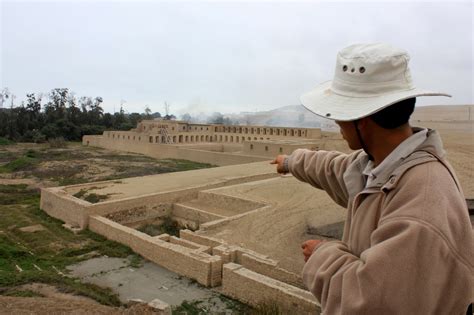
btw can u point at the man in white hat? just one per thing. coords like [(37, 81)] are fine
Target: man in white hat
[(407, 246)]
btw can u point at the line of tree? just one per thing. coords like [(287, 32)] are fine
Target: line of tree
[(63, 115)]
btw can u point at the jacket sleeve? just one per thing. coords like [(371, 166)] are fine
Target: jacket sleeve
[(323, 170), (394, 276), (411, 267)]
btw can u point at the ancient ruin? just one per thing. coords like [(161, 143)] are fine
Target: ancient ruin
[(242, 223)]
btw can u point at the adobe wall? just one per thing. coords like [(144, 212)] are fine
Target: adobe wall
[(191, 261), (245, 257), (258, 277), (271, 149), (60, 205), (254, 289), (251, 280)]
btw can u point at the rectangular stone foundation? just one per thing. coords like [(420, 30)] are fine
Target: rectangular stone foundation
[(193, 263)]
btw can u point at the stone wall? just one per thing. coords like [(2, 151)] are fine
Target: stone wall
[(271, 149), (60, 205), (191, 261), (254, 289)]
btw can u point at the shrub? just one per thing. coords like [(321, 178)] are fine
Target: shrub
[(5, 141), (57, 142)]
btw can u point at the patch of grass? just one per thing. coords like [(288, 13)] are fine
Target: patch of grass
[(185, 165), (235, 306), (169, 226), (57, 142), (11, 194), (95, 198), (21, 163), (136, 261), (127, 158), (32, 154), (66, 181), (5, 141), (207, 306), (189, 308), (90, 197), (44, 254), (80, 193), (22, 293), (151, 229)]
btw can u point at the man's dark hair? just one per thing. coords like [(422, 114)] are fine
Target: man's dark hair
[(395, 115)]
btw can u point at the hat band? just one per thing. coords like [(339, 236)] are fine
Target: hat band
[(352, 89)]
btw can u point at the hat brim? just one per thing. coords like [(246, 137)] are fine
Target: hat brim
[(326, 103)]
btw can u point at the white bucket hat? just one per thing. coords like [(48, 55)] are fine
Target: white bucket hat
[(368, 78)]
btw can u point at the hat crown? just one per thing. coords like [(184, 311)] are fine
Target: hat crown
[(365, 70)]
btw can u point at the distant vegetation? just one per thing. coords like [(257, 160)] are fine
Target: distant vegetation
[(64, 115)]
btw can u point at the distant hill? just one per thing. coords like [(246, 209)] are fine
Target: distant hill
[(286, 116), (299, 116), (444, 113)]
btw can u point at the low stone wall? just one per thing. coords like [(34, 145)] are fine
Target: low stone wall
[(60, 205), (191, 217), (254, 289), (191, 262), (247, 258), (170, 151)]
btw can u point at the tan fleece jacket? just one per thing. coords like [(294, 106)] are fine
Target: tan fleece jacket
[(407, 246)]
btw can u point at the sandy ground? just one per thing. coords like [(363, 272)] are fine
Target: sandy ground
[(53, 305), (279, 230), (137, 186)]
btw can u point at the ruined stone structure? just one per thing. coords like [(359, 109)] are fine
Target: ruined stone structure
[(175, 131), (226, 211), (215, 144), (243, 226)]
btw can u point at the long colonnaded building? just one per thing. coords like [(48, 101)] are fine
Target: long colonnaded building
[(209, 143)]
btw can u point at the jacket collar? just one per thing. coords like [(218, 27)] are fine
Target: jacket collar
[(430, 149)]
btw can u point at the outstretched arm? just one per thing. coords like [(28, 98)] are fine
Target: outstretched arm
[(321, 169)]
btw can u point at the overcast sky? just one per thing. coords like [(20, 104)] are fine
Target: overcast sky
[(222, 56)]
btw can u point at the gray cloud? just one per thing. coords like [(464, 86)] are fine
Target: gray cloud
[(228, 57)]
